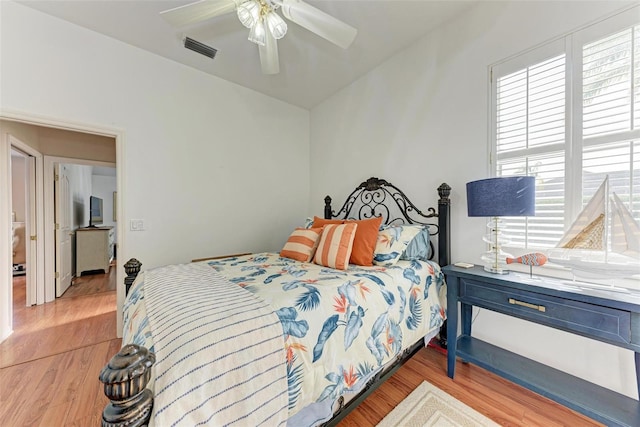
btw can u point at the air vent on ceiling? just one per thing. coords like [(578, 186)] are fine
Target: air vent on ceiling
[(201, 48)]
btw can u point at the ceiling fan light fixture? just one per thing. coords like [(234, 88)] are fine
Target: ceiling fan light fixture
[(249, 13), (276, 25), (257, 33), (269, 61)]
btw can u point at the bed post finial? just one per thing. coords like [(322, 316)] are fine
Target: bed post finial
[(444, 191), (444, 225), (125, 378), (132, 268), (327, 207)]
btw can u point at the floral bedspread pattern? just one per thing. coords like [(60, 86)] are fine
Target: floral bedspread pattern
[(341, 326)]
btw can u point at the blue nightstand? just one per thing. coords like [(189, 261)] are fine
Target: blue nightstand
[(603, 315)]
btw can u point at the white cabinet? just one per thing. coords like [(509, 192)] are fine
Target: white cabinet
[(94, 249)]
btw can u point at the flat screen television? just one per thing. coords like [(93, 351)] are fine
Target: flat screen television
[(95, 211)]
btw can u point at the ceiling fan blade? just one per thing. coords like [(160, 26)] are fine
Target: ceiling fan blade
[(197, 12), (269, 60), (319, 22)]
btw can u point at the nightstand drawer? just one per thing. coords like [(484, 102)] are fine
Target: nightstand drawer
[(591, 320)]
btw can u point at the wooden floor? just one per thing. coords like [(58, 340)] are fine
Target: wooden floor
[(49, 369), (49, 366)]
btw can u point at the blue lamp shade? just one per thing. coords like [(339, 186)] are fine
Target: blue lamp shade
[(503, 196)]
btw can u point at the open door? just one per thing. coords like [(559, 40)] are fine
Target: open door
[(62, 203), (31, 243)]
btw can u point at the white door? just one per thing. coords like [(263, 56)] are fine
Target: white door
[(62, 202), (30, 234)]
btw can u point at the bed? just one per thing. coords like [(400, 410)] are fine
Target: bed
[(296, 338)]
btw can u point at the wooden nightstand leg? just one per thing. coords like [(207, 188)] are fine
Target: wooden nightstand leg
[(467, 315)]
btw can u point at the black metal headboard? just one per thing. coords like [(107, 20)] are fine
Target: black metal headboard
[(377, 197)]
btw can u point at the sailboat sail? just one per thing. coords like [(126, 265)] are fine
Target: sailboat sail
[(588, 230), (584, 247), (625, 231)]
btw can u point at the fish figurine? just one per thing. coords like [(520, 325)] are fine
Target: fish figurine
[(534, 258)]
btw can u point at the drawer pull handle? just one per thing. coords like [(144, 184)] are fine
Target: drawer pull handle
[(541, 308)]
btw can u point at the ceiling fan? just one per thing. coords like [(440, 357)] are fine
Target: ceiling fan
[(266, 26)]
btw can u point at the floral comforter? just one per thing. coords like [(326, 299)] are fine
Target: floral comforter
[(339, 327)]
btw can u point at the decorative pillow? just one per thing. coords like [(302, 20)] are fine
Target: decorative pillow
[(321, 222), (308, 222), (335, 245), (419, 247), (302, 244), (392, 242), (364, 243)]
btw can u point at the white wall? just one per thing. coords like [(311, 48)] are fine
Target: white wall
[(421, 118), (208, 164), (18, 186), (193, 165)]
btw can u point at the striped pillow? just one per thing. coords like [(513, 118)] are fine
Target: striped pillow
[(336, 245), (302, 244)]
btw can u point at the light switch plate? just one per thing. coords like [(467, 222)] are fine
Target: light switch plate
[(136, 225)]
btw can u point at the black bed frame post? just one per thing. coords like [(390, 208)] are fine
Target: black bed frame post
[(327, 207), (126, 376), (444, 225), (444, 242), (132, 268), (125, 379)]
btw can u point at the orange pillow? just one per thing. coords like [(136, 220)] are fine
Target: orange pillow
[(366, 237), (302, 244), (321, 222), (335, 245)]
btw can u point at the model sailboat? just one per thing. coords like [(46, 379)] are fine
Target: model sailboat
[(585, 247)]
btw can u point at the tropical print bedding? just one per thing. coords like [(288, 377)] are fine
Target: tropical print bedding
[(339, 327)]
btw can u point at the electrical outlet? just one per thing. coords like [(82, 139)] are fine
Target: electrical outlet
[(136, 225)]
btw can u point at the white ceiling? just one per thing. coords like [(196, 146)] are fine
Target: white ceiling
[(311, 68)]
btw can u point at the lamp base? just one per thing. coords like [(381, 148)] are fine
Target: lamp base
[(495, 270), (495, 260)]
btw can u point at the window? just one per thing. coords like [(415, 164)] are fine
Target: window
[(568, 113)]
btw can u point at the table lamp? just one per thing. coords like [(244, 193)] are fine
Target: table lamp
[(495, 198)]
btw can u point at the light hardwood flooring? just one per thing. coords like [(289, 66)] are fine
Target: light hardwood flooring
[(49, 366), (49, 370)]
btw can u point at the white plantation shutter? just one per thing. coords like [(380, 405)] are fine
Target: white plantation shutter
[(530, 138), (570, 126), (606, 85), (614, 159), (610, 116), (636, 81), (530, 106)]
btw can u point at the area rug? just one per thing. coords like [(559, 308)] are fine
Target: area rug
[(428, 406)]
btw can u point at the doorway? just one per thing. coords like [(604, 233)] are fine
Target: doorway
[(79, 248), (38, 133), (23, 225)]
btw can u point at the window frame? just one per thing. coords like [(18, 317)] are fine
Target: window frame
[(571, 45)]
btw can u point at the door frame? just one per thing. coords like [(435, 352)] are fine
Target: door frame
[(6, 249), (6, 304), (49, 215)]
